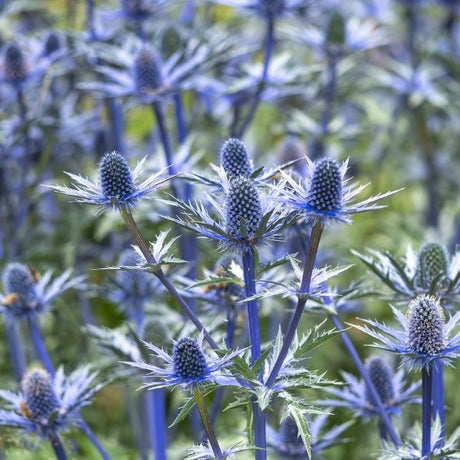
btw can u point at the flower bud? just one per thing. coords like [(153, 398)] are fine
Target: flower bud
[(426, 325), (325, 192), (18, 280), (40, 397), (14, 63), (189, 360), (147, 71), (115, 176), (234, 158), (382, 378), (243, 210), (432, 263)]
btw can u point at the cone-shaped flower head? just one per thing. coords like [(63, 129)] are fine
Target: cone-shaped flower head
[(325, 193), (432, 263), (147, 71), (189, 360), (115, 176), (52, 43), (14, 63), (426, 332), (40, 397), (273, 7), (382, 378), (234, 158), (291, 442), (18, 281), (243, 212), (171, 41), (336, 30)]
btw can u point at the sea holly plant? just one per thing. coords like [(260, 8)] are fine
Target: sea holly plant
[(26, 297), (48, 406), (430, 270), (425, 340)]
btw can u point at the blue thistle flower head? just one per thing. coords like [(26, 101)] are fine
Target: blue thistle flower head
[(291, 444), (243, 211), (48, 405), (52, 43), (14, 64), (432, 264), (381, 377), (189, 361), (19, 284), (425, 334), (116, 177), (234, 158), (325, 193), (40, 398), (188, 366), (117, 187), (426, 326), (147, 71)]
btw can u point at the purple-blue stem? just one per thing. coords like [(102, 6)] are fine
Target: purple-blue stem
[(144, 248), (268, 50), (313, 244), (260, 441), (39, 346), (155, 410), (383, 414), (438, 399), (181, 125), (16, 349), (426, 410), (116, 125), (57, 446), (90, 19), (92, 437)]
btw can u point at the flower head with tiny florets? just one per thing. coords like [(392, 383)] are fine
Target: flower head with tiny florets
[(48, 405), (430, 270), (147, 71), (391, 387), (188, 366), (26, 294), (234, 158), (117, 186), (425, 335), (15, 67), (325, 193)]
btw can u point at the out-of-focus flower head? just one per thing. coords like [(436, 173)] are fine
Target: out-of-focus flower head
[(430, 270), (26, 294), (393, 391), (48, 405)]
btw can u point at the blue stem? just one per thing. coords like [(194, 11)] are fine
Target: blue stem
[(383, 414), (181, 125), (57, 446), (92, 437), (90, 19), (16, 349), (39, 346), (438, 399), (155, 409), (268, 51), (426, 410), (260, 441), (116, 125)]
